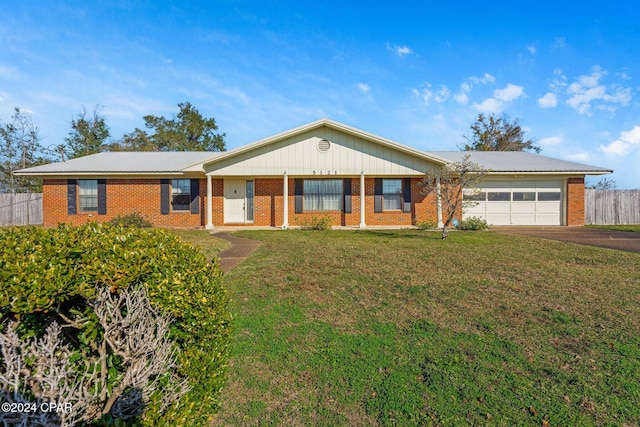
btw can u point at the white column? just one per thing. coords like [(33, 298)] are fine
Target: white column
[(285, 194), (362, 205), (439, 203), (209, 203)]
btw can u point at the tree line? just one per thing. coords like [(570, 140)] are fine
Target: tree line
[(21, 145)]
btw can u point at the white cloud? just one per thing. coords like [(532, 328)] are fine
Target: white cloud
[(426, 94), (552, 140), (400, 50), (531, 48), (466, 86), (487, 78), (364, 87), (509, 93), (587, 90), (628, 142), (461, 98), (616, 148), (549, 100), (632, 136), (490, 105)]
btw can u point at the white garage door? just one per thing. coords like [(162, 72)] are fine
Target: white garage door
[(518, 203)]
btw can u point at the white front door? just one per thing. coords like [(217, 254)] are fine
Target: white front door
[(234, 200)]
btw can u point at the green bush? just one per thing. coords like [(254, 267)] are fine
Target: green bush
[(45, 272), (320, 223), (473, 223), (426, 224), (134, 219)]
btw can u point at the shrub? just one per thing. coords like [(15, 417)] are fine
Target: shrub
[(320, 222), (134, 219), (52, 274), (473, 223), (426, 224)]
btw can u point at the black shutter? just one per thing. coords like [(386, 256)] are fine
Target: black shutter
[(71, 196), (102, 197), (377, 193), (298, 192), (164, 196), (347, 195), (406, 195), (195, 196)]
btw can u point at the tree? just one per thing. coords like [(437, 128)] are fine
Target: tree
[(498, 134), (604, 184), (20, 148), (138, 140), (448, 182), (87, 135), (186, 131)]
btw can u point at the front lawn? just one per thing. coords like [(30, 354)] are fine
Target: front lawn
[(402, 328)]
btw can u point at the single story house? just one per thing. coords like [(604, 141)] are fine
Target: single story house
[(324, 167)]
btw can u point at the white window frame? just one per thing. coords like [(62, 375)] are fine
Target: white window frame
[(88, 195)]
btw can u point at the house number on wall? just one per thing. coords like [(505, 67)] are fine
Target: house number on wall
[(327, 172)]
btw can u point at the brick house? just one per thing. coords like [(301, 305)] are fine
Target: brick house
[(318, 168)]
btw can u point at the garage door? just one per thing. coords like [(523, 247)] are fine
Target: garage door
[(517, 203)]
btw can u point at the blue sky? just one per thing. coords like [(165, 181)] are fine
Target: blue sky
[(414, 72)]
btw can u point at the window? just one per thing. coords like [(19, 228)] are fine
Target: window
[(499, 196), (475, 196), (524, 196), (548, 196), (392, 194), (88, 192), (181, 194), (322, 194)]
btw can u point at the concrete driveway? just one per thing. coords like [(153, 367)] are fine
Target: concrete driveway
[(621, 240)]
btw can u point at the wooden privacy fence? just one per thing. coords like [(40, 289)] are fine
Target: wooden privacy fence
[(611, 207), (21, 209)]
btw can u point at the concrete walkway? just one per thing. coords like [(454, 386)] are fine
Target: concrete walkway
[(240, 249)]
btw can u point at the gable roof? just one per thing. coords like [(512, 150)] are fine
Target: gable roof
[(331, 124), (135, 162), (520, 162)]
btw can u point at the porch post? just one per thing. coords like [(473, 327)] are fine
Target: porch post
[(209, 225), (362, 204), (285, 204), (439, 203)]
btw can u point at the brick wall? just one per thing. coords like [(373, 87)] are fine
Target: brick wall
[(575, 201), (124, 196)]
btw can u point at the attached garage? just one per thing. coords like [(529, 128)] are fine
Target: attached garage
[(517, 203)]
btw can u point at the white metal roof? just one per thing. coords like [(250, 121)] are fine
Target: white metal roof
[(133, 162), (520, 162), (120, 163)]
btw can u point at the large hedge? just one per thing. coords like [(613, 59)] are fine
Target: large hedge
[(44, 272)]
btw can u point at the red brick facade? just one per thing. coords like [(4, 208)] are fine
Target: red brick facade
[(575, 201), (124, 196), (143, 195)]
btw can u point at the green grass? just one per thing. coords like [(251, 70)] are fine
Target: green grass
[(402, 328), (632, 228), (202, 239)]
